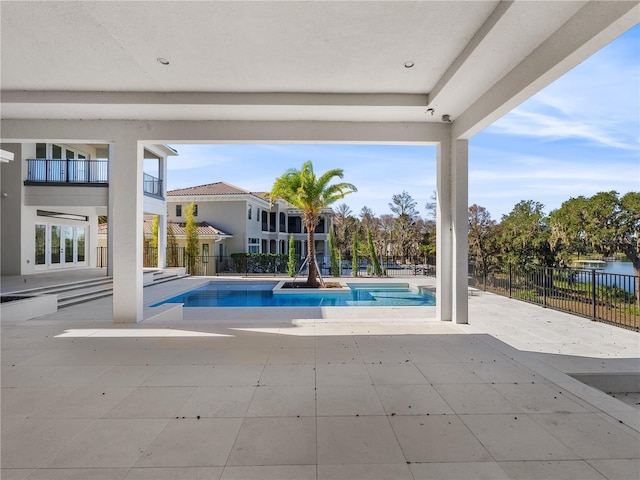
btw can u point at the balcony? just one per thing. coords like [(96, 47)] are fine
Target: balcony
[(42, 171), (152, 186)]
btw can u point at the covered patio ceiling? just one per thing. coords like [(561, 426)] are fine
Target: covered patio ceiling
[(382, 61)]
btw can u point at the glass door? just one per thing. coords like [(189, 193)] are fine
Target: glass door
[(69, 251), (41, 244), (56, 246)]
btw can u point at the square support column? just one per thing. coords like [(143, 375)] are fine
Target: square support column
[(126, 228), (460, 230), (444, 234), (451, 232)]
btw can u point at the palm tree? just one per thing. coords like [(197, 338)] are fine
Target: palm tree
[(302, 189)]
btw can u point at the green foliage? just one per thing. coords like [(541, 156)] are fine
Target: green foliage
[(261, 262), (604, 223), (377, 271), (483, 241), (354, 256), (291, 264), (304, 190), (155, 227), (524, 235), (173, 256), (334, 256), (192, 248)]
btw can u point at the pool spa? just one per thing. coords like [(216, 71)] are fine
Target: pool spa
[(265, 294)]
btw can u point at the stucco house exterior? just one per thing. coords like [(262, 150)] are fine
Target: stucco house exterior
[(53, 194), (257, 226)]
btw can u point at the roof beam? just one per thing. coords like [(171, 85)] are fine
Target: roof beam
[(595, 25), (444, 85)]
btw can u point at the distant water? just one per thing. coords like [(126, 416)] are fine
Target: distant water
[(621, 268)]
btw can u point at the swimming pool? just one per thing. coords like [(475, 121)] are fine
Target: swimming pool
[(260, 294)]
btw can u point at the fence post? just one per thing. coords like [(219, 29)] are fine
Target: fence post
[(544, 287), (593, 293), (509, 281)]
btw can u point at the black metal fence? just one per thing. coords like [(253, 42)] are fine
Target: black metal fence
[(273, 264), (606, 297)]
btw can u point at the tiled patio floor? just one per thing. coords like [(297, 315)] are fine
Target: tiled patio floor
[(272, 395)]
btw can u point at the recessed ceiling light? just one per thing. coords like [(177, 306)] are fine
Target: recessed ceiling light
[(162, 60), (409, 64)]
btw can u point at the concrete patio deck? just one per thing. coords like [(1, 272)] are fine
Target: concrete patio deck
[(343, 393)]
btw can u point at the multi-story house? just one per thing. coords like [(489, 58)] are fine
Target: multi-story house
[(256, 225), (52, 196)]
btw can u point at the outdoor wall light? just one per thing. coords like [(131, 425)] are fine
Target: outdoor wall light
[(162, 61), (409, 64)]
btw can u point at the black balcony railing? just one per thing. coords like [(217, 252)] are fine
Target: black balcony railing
[(62, 172), (605, 297), (152, 186)]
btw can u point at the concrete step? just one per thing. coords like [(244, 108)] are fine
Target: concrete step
[(63, 287), (73, 293)]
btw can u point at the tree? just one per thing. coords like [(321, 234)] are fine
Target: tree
[(291, 267), (192, 248), (155, 228), (482, 229), (354, 258), (343, 222), (367, 217), (605, 222), (302, 189), (432, 207), (334, 263), (405, 235), (172, 248), (404, 204), (524, 236), (377, 271)]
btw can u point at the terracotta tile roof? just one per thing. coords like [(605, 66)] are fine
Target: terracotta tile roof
[(204, 229), (217, 188)]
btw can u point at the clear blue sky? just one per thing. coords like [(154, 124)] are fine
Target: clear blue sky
[(578, 136)]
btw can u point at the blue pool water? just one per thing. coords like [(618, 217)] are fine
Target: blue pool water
[(259, 294)]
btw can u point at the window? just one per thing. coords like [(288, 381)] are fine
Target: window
[(205, 253), (254, 245), (258, 216), (69, 254), (41, 150), (80, 233), (178, 210), (41, 244), (249, 214), (195, 209), (295, 225), (56, 246)]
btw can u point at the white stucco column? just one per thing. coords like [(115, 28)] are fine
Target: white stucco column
[(444, 233), (460, 223), (162, 220), (110, 174), (126, 224)]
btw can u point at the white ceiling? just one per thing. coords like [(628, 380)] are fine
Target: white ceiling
[(238, 60)]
